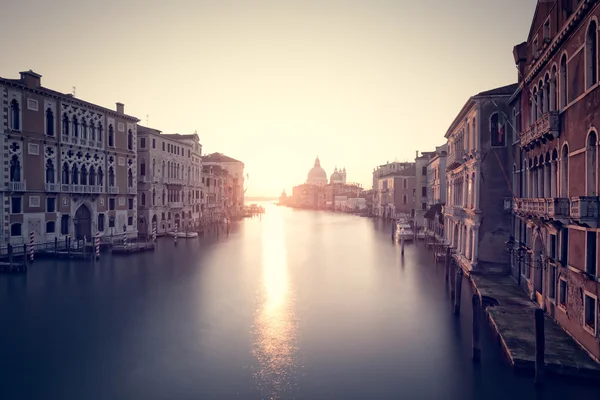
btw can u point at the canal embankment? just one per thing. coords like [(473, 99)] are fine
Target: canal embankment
[(512, 318)]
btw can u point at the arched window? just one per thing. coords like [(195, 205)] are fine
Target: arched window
[(536, 177), (554, 101), (143, 199), (536, 105), (562, 81), (15, 229), (65, 125), (15, 169), (100, 133), (547, 94), (541, 106), (92, 131), (143, 167), (92, 177), (111, 177), (153, 197), (591, 163), (497, 130), (554, 179), (129, 140), (564, 172), (49, 171), (84, 175), (591, 55), (163, 170), (84, 129), (164, 198), (129, 178), (100, 177), (15, 115), (65, 174), (75, 175), (75, 127), (49, 122), (189, 177), (153, 167), (111, 136)]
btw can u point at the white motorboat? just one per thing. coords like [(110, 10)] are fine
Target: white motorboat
[(404, 231), (184, 235)]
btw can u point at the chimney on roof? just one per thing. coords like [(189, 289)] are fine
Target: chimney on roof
[(121, 108), (31, 79)]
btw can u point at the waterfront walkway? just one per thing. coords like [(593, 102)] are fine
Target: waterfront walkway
[(513, 320)]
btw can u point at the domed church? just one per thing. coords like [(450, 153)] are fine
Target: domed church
[(317, 175), (338, 176)]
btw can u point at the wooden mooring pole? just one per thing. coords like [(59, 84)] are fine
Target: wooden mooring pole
[(447, 262), (459, 279), (539, 346), (9, 249), (476, 326), (452, 280)]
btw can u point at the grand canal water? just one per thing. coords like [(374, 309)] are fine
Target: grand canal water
[(296, 305)]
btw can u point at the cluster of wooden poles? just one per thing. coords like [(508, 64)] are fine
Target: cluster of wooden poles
[(454, 280)]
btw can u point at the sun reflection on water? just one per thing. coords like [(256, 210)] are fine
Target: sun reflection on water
[(274, 344)]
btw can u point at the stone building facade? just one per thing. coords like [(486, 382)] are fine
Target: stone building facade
[(555, 175), (170, 190), (235, 168), (436, 191), (70, 165), (384, 200), (476, 184)]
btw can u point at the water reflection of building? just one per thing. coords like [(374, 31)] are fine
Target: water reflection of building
[(318, 193)]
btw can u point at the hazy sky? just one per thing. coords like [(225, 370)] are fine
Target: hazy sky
[(275, 83)]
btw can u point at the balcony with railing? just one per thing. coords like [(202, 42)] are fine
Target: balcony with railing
[(52, 187), (17, 186), (454, 211), (175, 181), (176, 204), (547, 127), (74, 140), (132, 190), (584, 210), (455, 158), (113, 189), (543, 208)]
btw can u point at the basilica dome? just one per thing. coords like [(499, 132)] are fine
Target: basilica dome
[(336, 177), (317, 175)]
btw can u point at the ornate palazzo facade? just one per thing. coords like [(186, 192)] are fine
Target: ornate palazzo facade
[(555, 174), (87, 157)]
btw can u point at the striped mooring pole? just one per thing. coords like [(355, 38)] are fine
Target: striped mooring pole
[(125, 238), (97, 245), (176, 234), (154, 232), (31, 240)]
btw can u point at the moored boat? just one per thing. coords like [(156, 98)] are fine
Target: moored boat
[(184, 235)]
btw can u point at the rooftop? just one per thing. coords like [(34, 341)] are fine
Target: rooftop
[(219, 158), (37, 88)]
